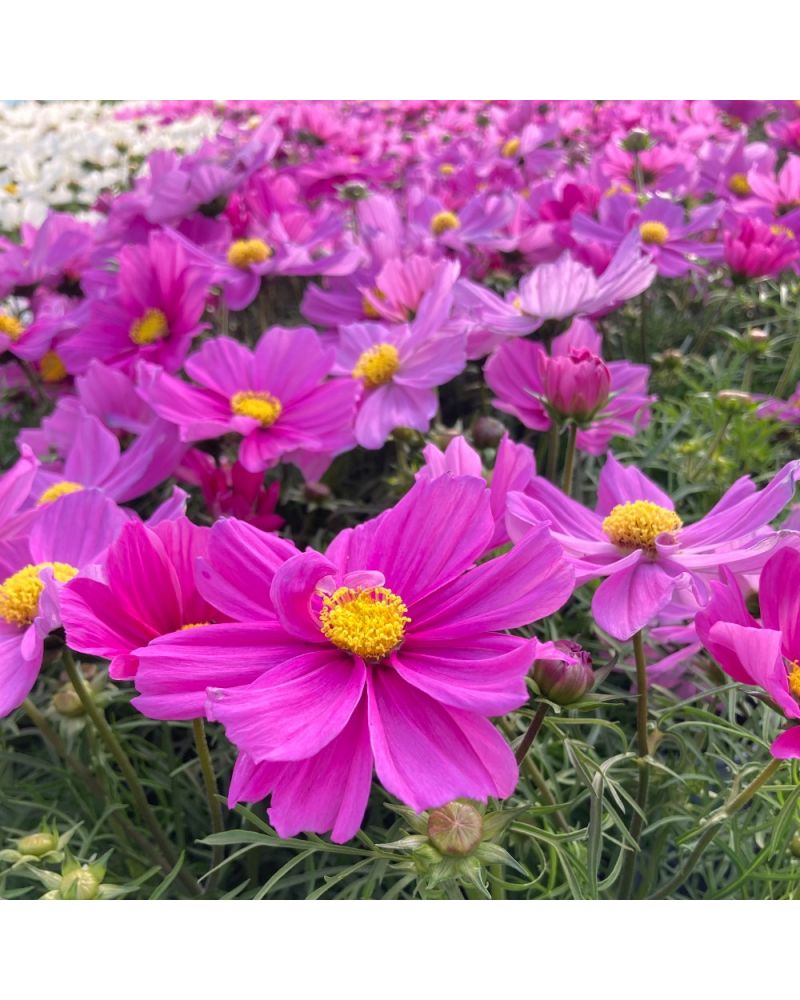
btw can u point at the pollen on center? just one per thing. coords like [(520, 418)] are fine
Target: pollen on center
[(637, 524), (654, 233), (20, 592), (243, 253), (368, 622), (443, 221), (260, 406), (377, 365), (149, 328)]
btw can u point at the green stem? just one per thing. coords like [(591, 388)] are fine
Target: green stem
[(530, 735), (552, 450), (538, 780), (210, 783), (789, 368), (116, 750), (642, 749), (53, 739), (569, 465), (714, 824)]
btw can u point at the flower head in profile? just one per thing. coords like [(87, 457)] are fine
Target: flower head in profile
[(275, 397), (765, 654), (639, 543), (389, 651), (33, 569)]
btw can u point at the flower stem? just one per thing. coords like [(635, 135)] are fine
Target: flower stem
[(552, 450), (116, 750), (569, 465), (789, 368), (530, 735), (210, 782), (714, 823), (642, 749)]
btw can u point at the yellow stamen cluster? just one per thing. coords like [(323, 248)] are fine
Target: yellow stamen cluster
[(10, 188), (443, 221), (377, 365), (369, 623), (20, 593), (11, 327), (782, 231), (739, 185), (654, 233), (150, 328), (193, 625), (622, 188), (446, 169), (510, 147), (243, 253), (637, 525), (261, 406), (794, 678), (52, 368), (58, 490)]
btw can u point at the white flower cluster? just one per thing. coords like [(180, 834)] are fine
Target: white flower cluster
[(63, 154)]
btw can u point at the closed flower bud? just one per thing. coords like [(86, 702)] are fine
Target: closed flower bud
[(67, 703), (636, 141), (37, 844), (567, 680), (487, 432), (794, 846), (80, 883), (577, 384), (456, 829), (354, 191)]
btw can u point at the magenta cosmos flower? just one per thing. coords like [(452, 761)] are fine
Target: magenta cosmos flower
[(274, 396), (33, 570), (787, 410), (636, 539), (398, 369), (152, 315), (15, 488), (754, 249), (573, 382), (765, 654), (387, 650), (147, 589)]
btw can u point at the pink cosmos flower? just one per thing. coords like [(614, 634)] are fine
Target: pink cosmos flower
[(146, 588), (389, 649), (605, 399), (754, 249), (787, 410), (567, 288), (152, 315), (275, 397), (398, 369), (90, 455), (54, 255), (782, 193), (230, 490), (765, 654), (33, 570), (637, 540)]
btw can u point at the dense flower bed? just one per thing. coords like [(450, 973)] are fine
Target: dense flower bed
[(441, 456)]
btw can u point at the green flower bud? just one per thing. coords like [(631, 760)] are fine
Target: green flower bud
[(456, 829), (488, 432), (67, 703), (38, 844), (637, 141)]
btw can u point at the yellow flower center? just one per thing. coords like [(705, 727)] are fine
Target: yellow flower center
[(19, 594), (193, 625), (654, 233), (52, 368), (377, 365), (782, 231), (794, 678), (10, 188), (443, 221), (261, 406), (11, 327), (510, 147), (739, 185), (446, 169), (150, 328), (617, 189), (369, 623), (58, 490), (636, 525), (243, 253)]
